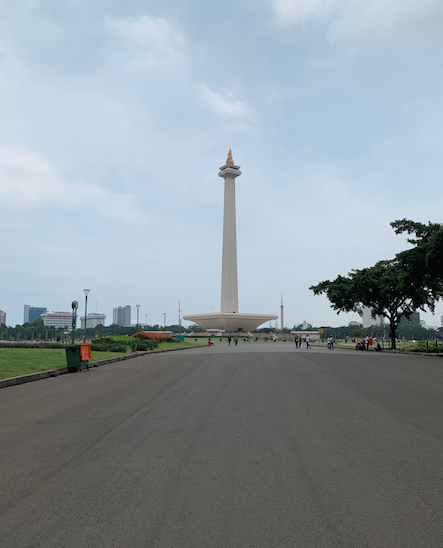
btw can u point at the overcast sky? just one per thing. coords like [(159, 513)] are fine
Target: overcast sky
[(116, 116)]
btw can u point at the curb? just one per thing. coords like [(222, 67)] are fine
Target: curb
[(22, 379)]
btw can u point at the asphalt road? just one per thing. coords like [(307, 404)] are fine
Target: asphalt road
[(259, 445)]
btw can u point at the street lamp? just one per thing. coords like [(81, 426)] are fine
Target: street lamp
[(138, 311), (86, 308), (164, 315)]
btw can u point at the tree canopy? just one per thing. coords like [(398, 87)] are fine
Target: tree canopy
[(397, 287)]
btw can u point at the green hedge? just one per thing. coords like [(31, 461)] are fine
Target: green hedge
[(420, 346), (107, 344), (24, 344)]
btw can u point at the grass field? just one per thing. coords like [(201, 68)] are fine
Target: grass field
[(23, 361)]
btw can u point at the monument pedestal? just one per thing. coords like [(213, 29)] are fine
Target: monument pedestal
[(230, 322)]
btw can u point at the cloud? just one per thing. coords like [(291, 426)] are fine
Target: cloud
[(159, 40), (222, 103), (28, 180), (364, 19), (384, 19), (292, 11)]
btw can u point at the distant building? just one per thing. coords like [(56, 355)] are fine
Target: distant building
[(414, 319), (94, 319), (122, 315), (367, 318), (2, 317), (32, 313), (58, 319)]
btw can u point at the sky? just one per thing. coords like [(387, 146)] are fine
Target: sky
[(116, 116)]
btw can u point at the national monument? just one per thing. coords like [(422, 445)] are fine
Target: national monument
[(229, 318)]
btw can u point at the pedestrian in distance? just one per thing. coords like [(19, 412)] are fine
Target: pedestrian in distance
[(308, 342), (229, 341), (236, 340)]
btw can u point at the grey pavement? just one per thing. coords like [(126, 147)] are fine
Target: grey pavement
[(259, 445)]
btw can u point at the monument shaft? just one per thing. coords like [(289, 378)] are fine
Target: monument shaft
[(229, 289)]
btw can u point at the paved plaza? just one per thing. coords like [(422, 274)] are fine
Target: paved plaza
[(259, 445)]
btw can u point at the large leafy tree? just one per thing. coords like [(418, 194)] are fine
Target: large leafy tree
[(426, 256), (390, 288), (413, 280)]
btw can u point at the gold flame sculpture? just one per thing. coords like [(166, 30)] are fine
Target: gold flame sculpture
[(230, 161)]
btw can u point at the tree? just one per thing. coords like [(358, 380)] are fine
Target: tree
[(390, 288), (426, 257)]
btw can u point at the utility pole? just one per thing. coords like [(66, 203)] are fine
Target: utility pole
[(179, 318), (138, 312), (164, 316), (282, 321)]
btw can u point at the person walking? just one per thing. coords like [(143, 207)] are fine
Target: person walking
[(236, 340), (308, 342), (229, 341)]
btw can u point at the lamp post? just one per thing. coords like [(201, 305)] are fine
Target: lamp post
[(86, 308), (138, 312), (164, 315)]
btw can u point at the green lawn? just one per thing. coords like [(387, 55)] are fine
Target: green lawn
[(22, 361)]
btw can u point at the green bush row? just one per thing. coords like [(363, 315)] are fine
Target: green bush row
[(24, 344), (122, 341), (420, 346)]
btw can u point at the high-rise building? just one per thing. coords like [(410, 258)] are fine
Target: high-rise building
[(32, 313), (94, 319), (2, 317), (121, 315), (368, 320), (414, 319), (58, 319)]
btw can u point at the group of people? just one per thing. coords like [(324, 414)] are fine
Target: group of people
[(298, 341), (366, 342)]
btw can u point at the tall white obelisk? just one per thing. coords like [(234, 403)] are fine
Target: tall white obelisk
[(229, 289), (229, 319)]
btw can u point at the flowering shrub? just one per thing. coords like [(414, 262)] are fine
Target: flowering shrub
[(108, 347), (154, 336), (31, 344)]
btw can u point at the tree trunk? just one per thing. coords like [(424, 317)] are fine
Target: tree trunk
[(392, 330)]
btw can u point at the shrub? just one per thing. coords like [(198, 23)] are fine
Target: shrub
[(154, 336), (108, 347), (30, 344), (420, 346), (120, 341)]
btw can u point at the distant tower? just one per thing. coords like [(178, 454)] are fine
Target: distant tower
[(229, 291), (282, 319), (229, 318)]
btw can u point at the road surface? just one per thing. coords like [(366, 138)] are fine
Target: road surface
[(259, 445)]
